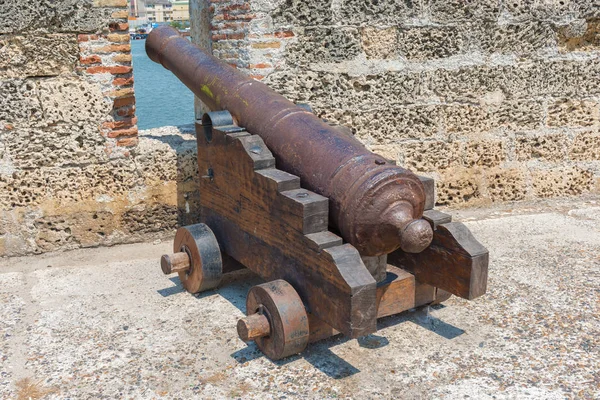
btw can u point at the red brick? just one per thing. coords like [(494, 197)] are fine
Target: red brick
[(266, 45), (118, 26), (219, 37), (123, 81), (128, 142), (233, 7), (118, 37), (257, 77), (90, 60), (243, 17), (126, 111), (109, 3), (119, 93), (124, 101), (113, 48), (85, 38), (261, 65), (236, 36), (115, 69), (125, 123), (122, 58), (123, 132), (236, 25), (285, 34), (120, 14), (278, 35)]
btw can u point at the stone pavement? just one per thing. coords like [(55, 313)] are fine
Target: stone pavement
[(105, 323)]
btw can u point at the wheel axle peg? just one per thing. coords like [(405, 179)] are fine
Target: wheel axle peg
[(253, 327), (176, 262)]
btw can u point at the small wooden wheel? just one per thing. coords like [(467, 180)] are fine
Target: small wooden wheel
[(202, 269), (287, 330)]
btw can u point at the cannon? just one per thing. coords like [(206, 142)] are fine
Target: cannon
[(341, 235)]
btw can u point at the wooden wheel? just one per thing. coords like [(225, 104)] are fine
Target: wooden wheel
[(277, 320), (196, 258)]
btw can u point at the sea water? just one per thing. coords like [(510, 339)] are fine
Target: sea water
[(161, 99)]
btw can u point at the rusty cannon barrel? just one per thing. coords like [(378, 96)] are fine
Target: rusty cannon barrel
[(375, 205)]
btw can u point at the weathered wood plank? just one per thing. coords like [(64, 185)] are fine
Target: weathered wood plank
[(398, 293), (435, 218), (310, 208), (320, 289), (323, 240), (455, 262), (258, 151), (263, 220), (377, 266), (429, 185), (282, 180)]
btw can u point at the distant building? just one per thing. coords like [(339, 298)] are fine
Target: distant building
[(159, 11), (134, 8), (144, 12), (181, 10), (137, 14)]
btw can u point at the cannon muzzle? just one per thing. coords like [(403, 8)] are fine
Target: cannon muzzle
[(376, 206)]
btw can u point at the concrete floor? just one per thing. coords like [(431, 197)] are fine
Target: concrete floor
[(105, 323)]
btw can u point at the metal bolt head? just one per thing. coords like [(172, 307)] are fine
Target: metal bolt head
[(209, 174)]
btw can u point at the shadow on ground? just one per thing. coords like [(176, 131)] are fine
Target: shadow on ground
[(236, 285)]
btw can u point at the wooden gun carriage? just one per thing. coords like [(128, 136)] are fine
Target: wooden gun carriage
[(341, 236)]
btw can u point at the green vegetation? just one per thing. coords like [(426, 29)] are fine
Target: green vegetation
[(180, 24)]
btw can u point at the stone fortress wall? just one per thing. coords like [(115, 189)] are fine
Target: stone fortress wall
[(497, 100), (73, 172)]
